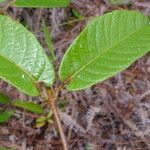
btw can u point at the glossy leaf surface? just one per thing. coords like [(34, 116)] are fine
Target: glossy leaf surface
[(22, 59), (29, 106), (108, 45)]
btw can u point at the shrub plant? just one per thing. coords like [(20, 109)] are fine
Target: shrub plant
[(108, 45)]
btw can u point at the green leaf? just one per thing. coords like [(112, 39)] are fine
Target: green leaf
[(40, 124), (22, 59), (3, 148), (4, 99), (29, 106), (120, 2), (17, 77), (108, 45), (76, 14), (2, 1), (50, 121), (41, 119), (116, 2), (5, 115), (42, 3), (49, 115)]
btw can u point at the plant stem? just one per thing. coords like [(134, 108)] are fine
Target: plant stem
[(52, 97)]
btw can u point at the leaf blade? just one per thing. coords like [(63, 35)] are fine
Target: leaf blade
[(92, 58), (5, 116), (20, 47), (43, 3), (4, 148), (29, 106), (4, 99), (17, 77)]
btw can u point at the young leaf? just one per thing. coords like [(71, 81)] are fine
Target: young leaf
[(41, 121), (42, 3), (40, 124), (4, 99), (5, 115), (76, 14), (22, 59), (29, 106), (107, 45)]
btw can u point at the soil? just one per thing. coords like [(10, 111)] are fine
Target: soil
[(112, 115)]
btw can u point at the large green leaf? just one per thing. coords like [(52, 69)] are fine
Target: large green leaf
[(17, 77), (107, 45), (42, 3), (30, 106), (22, 59)]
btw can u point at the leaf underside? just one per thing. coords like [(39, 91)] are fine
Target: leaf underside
[(42, 3), (22, 59), (106, 46)]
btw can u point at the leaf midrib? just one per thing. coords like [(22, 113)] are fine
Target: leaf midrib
[(24, 71), (105, 51)]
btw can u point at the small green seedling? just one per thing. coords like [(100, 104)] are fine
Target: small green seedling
[(5, 115), (42, 120), (108, 45)]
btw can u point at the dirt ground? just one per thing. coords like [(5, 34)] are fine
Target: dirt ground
[(113, 115)]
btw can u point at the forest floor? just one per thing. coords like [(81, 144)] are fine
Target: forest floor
[(113, 115)]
